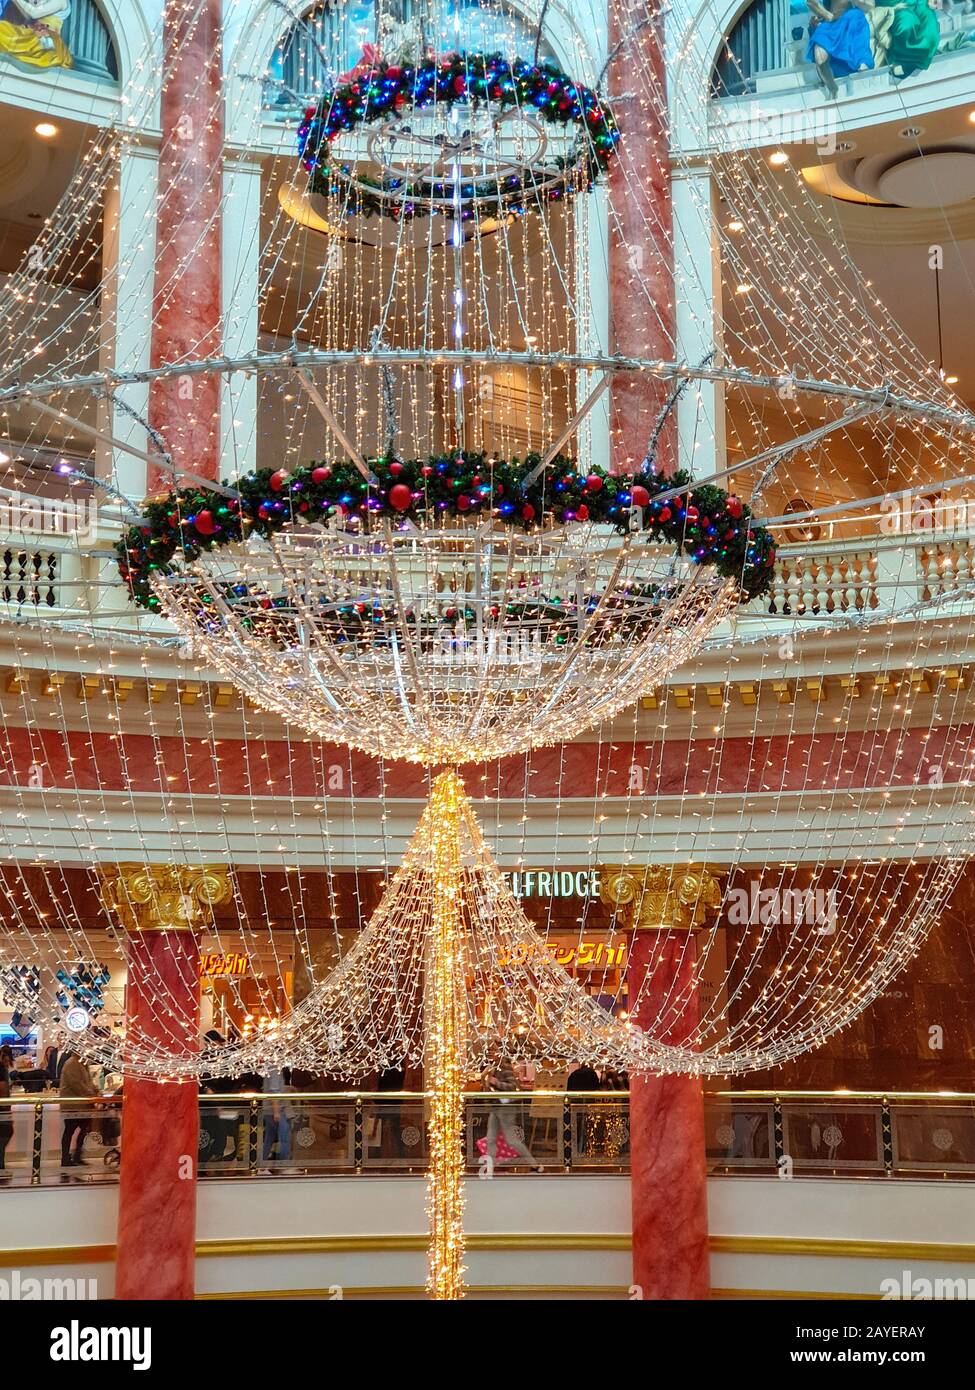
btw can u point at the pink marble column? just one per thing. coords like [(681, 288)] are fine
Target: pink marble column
[(157, 1193), (187, 297), (640, 237), (162, 908), (160, 1125), (667, 1155)]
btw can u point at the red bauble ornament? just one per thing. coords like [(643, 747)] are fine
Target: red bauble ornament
[(205, 523), (394, 74), (395, 468), (463, 503), (691, 515), (400, 497), (582, 512), (733, 507), (528, 511), (277, 480), (426, 470), (664, 514), (639, 496), (594, 482), (320, 475), (460, 84)]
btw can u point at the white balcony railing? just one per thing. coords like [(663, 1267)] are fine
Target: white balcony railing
[(871, 575)]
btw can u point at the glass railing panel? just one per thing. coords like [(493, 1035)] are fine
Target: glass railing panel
[(929, 1138), (53, 1143), (738, 1136), (394, 1134), (516, 1132), (598, 1132), (834, 1138), (323, 1136), (19, 1122), (225, 1135)]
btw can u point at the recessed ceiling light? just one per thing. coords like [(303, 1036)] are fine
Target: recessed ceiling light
[(951, 380), (46, 130), (743, 289), (4, 458), (778, 157), (971, 117), (911, 132), (736, 225)]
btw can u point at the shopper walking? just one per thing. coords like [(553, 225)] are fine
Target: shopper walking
[(502, 1121), (76, 1084)]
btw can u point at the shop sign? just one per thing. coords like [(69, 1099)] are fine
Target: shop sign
[(220, 966), (553, 883)]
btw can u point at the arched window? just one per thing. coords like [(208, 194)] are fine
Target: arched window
[(325, 43), (328, 41), (758, 43)]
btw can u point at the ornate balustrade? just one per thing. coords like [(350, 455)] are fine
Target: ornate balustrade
[(871, 574)]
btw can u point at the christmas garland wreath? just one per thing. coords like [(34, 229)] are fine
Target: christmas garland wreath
[(706, 523), (385, 90)]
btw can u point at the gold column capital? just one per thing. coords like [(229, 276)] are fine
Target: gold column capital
[(660, 897), (164, 897)]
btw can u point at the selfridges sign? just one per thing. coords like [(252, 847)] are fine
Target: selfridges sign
[(553, 883)]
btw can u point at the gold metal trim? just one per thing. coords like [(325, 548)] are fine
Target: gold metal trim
[(933, 1252), (332, 1245), (824, 1247), (350, 1097), (726, 1294), (609, 1291), (36, 1255), (350, 1291)]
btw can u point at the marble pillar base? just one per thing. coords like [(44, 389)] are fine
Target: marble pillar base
[(160, 1130), (667, 1142)]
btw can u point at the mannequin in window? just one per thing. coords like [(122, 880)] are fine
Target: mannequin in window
[(839, 40), (30, 31)]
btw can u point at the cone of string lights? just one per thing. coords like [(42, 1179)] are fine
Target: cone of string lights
[(450, 974)]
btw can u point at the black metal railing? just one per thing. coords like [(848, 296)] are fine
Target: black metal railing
[(295, 1134)]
